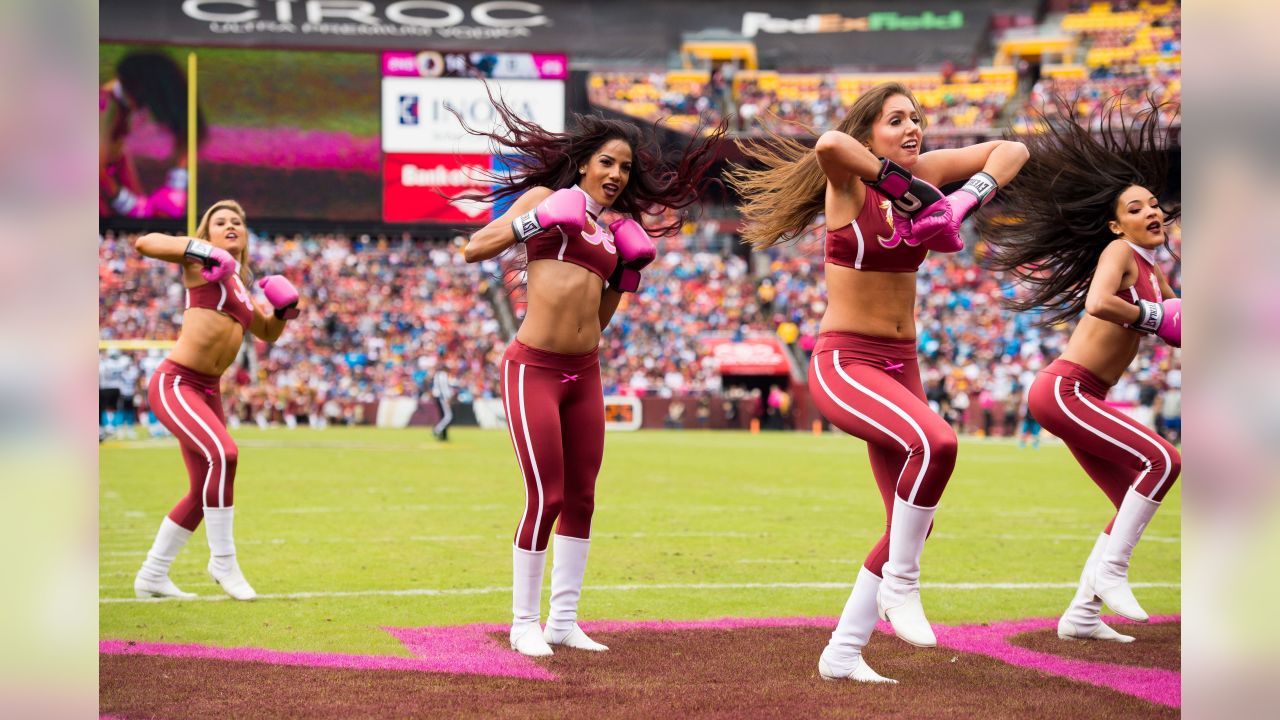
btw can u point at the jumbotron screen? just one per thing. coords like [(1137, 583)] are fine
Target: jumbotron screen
[(290, 134), (305, 135)]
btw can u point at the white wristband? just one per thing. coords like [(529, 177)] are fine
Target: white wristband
[(198, 251), (1149, 318), (526, 226), (981, 186)]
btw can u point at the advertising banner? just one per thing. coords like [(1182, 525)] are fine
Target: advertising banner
[(763, 355), (425, 187), (799, 33), (416, 116), (623, 412)]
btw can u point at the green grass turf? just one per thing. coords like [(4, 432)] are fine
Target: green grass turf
[(366, 509)]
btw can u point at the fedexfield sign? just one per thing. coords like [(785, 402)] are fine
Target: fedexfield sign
[(754, 23)]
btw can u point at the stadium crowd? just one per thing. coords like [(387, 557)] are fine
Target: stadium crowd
[(383, 314), (790, 105), (1121, 47)]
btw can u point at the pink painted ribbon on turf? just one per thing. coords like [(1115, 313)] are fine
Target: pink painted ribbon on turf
[(473, 650), (1151, 684), (466, 649)]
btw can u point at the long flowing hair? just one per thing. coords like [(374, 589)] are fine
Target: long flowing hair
[(782, 198), (153, 80), (1053, 224), (539, 157), (202, 233)]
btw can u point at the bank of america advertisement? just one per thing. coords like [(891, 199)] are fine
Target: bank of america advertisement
[(430, 161)]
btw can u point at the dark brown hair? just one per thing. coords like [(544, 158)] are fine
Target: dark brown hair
[(1054, 221), (153, 80), (538, 157)]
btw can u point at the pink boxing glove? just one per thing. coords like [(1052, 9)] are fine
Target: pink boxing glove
[(564, 209), (216, 263), (1171, 325), (168, 202), (938, 228), (1161, 319), (635, 251), (909, 195), (282, 295)]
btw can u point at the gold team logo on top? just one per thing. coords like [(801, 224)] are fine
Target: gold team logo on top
[(893, 240)]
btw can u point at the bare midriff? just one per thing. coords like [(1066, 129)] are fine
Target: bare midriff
[(1102, 347), (871, 303), (563, 314), (208, 342)]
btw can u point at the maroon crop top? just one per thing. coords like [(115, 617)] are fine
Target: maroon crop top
[(869, 242), (1146, 286), (228, 297), (593, 249)]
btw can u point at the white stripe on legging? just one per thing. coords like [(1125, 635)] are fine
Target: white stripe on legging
[(533, 460), (865, 418), (924, 441), (222, 455), (1057, 395), (207, 457), (1168, 464), (511, 429)]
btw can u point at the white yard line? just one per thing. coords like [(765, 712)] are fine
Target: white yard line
[(441, 592), (1033, 537)]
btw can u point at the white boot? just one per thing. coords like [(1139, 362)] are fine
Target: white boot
[(1083, 618), (222, 553), (568, 566), (898, 600), (842, 658), (1110, 579), (153, 578), (526, 602)]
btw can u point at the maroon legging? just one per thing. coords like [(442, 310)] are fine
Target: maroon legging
[(1115, 450), (870, 388), (189, 405), (561, 444)]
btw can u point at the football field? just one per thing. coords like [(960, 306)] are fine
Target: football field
[(349, 534)]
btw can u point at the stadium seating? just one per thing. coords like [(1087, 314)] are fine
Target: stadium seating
[(382, 314), (797, 104), (1104, 51)]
